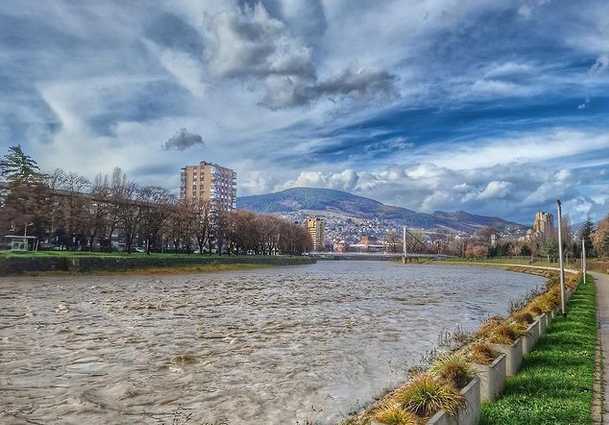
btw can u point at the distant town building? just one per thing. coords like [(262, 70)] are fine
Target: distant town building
[(493, 240), (316, 228), (209, 182), (369, 244), (340, 246)]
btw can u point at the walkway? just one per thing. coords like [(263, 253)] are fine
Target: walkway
[(602, 298)]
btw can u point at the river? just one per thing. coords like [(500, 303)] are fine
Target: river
[(282, 345)]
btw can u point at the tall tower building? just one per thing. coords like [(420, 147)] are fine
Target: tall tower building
[(209, 182), (543, 224), (316, 228)]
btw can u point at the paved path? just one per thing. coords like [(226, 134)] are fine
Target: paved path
[(602, 301)]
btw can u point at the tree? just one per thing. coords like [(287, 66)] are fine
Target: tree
[(16, 166), (550, 249), (24, 199), (585, 235), (129, 213), (525, 251), (600, 238), (202, 225), (154, 205), (393, 242)]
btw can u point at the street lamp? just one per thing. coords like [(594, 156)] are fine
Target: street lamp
[(584, 258), (562, 267), (25, 236)]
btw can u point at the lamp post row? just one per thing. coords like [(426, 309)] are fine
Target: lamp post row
[(560, 254)]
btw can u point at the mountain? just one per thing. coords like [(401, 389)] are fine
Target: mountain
[(335, 202)]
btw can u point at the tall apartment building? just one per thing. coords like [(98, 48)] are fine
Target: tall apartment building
[(316, 228), (209, 182), (543, 224)]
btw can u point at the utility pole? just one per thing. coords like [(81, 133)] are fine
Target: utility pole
[(584, 259), (404, 245), (562, 267)]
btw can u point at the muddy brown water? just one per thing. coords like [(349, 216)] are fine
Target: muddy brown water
[(282, 345)]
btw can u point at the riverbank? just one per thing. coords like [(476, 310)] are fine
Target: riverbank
[(556, 380), (593, 264), (66, 262)]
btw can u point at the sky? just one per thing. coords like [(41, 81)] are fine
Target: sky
[(495, 107)]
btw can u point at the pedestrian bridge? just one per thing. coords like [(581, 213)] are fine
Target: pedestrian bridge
[(388, 256)]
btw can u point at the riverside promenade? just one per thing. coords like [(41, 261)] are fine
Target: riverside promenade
[(602, 297), (601, 399)]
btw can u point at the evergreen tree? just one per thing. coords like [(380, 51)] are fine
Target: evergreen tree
[(18, 167)]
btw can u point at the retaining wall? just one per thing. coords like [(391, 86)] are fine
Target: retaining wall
[(78, 264)]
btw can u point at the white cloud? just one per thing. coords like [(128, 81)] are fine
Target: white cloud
[(601, 64), (496, 190), (345, 180), (186, 69), (537, 146)]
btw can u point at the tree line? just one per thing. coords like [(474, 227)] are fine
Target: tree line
[(67, 211), (595, 237)]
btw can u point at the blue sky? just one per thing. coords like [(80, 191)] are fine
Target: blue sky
[(492, 106)]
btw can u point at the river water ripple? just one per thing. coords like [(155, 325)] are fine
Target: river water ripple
[(268, 346)]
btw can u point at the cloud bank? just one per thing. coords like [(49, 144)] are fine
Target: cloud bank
[(496, 107)]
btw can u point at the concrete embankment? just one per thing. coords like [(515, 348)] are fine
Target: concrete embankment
[(25, 264)]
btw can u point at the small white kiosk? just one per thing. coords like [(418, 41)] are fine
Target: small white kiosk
[(20, 243)]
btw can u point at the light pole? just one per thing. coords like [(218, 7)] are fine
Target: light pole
[(584, 259), (404, 245), (562, 268), (27, 245)]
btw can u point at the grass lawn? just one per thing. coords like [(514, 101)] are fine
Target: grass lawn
[(39, 254), (525, 261), (554, 385)]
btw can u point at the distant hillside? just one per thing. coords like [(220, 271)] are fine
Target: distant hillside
[(305, 199)]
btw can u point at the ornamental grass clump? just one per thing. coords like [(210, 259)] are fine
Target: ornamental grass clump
[(503, 333), (553, 297), (392, 413), (489, 325), (425, 396), (453, 369), (481, 353), (523, 317), (545, 304), (535, 309)]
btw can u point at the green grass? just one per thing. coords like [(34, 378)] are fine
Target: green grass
[(525, 261), (43, 254), (554, 385)]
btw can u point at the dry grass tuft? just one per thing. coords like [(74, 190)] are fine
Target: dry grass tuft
[(481, 353), (503, 333), (391, 413), (523, 317), (535, 309), (454, 369), (425, 396), (488, 326)]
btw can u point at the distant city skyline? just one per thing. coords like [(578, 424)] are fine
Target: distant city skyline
[(493, 107)]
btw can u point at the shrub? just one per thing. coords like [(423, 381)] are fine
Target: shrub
[(481, 353), (391, 413), (425, 396), (454, 369)]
